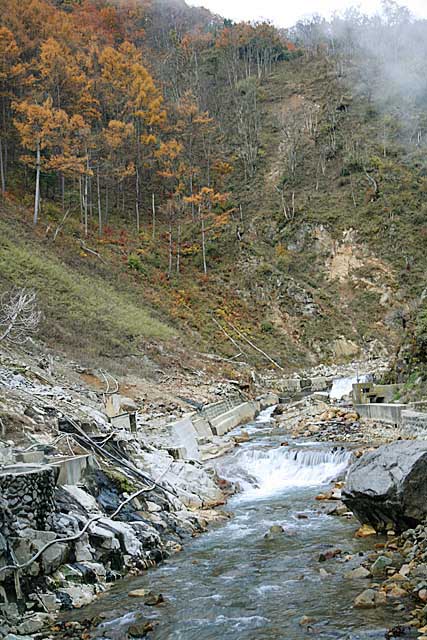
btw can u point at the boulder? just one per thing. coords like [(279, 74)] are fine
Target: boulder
[(387, 486), (83, 498), (34, 623), (124, 532), (380, 565), (358, 572), (365, 600), (80, 595), (276, 531)]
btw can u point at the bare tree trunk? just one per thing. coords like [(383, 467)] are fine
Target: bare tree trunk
[(81, 200), (178, 249), (170, 248), (90, 198), (352, 191), (86, 196), (205, 268), (106, 204), (63, 192), (85, 204), (191, 194), (37, 194), (2, 170), (98, 190), (153, 209), (137, 198)]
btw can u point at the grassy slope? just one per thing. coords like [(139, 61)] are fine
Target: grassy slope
[(84, 312)]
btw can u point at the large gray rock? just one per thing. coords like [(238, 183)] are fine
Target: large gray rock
[(389, 485)]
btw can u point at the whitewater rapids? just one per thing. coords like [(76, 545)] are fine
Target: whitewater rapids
[(261, 472)]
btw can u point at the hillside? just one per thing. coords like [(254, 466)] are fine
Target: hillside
[(304, 240)]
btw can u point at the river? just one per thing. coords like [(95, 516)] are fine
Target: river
[(233, 583)]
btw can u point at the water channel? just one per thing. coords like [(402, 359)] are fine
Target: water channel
[(233, 583)]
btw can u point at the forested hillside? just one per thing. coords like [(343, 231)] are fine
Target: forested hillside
[(174, 180)]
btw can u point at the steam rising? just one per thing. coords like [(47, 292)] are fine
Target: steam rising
[(385, 54)]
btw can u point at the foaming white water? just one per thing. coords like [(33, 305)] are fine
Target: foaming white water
[(264, 472), (344, 386), (265, 414), (261, 424)]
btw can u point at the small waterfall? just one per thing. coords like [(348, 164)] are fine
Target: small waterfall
[(344, 386), (266, 414), (264, 472)]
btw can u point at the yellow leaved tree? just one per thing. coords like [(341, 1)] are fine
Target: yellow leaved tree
[(52, 137)]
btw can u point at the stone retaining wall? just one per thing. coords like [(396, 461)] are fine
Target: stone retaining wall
[(298, 385), (414, 424), (28, 492)]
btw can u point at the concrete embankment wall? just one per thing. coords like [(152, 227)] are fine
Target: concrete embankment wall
[(225, 422), (298, 385), (216, 419), (412, 423), (388, 413)]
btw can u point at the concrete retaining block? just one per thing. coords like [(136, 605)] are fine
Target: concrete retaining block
[(388, 413), (31, 457), (242, 413), (72, 469), (292, 385), (320, 384), (202, 427), (267, 401), (185, 435), (295, 385)]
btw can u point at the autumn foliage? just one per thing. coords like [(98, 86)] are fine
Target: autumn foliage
[(112, 110)]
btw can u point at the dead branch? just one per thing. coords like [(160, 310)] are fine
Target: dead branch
[(239, 333), (218, 324), (213, 356), (107, 392), (371, 181), (19, 315), (61, 225), (91, 251)]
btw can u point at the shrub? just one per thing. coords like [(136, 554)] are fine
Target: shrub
[(135, 264)]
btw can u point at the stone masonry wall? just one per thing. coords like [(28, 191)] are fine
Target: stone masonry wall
[(28, 493), (414, 424)]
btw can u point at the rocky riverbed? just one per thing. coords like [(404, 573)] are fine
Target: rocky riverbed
[(85, 500), (280, 542), (386, 487), (134, 503)]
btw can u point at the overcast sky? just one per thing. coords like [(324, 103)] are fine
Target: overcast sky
[(285, 13)]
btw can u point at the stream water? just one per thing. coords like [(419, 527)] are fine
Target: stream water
[(234, 584)]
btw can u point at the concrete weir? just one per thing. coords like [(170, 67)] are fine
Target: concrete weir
[(412, 423)]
